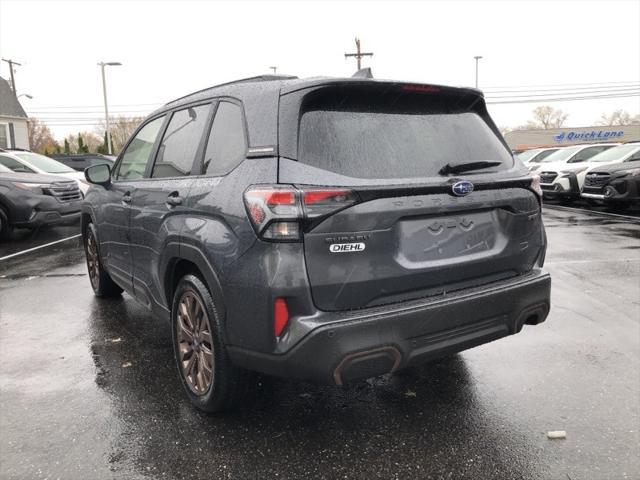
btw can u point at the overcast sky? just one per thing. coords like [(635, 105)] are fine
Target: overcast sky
[(171, 48)]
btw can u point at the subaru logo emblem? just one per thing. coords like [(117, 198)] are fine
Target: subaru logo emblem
[(460, 189)]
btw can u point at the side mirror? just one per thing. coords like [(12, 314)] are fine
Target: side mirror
[(98, 174)]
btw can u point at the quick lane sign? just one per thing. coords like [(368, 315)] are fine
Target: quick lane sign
[(592, 135)]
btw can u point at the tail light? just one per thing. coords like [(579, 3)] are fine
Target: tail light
[(279, 213)]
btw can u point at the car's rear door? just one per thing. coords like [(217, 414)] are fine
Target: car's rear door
[(411, 234), (159, 201)]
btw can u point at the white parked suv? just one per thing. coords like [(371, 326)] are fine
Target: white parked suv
[(29, 162), (558, 172)]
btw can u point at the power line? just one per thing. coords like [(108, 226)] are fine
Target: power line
[(616, 91), (562, 90), (93, 112), (50, 114), (563, 84), (100, 106), (82, 124), (564, 99)]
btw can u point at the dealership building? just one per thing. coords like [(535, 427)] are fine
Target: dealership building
[(554, 137)]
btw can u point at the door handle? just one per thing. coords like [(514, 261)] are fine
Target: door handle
[(174, 200), (126, 198)]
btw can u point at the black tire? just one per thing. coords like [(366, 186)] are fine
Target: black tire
[(226, 383), (101, 282)]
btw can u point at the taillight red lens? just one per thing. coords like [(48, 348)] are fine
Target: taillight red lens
[(319, 202), (317, 196), (280, 316), (281, 198)]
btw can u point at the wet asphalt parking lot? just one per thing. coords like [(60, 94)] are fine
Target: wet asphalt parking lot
[(89, 390)]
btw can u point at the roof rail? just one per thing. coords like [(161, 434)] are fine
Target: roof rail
[(259, 78)]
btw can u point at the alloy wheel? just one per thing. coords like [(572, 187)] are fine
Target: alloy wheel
[(93, 263), (195, 344)]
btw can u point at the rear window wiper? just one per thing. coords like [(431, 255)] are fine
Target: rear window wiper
[(449, 169)]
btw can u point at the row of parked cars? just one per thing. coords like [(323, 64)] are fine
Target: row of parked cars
[(601, 173), (37, 190)]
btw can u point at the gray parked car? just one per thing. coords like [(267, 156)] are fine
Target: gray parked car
[(31, 200), (323, 229)]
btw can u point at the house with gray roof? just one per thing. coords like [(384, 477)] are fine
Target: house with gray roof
[(13, 119)]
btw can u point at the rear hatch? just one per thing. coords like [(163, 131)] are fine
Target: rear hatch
[(409, 233)]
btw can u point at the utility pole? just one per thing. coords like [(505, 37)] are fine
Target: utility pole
[(13, 80), (106, 108), (274, 69), (477, 57), (359, 54)]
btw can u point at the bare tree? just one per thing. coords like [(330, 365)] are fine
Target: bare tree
[(40, 137), (546, 117), (121, 129), (618, 117)]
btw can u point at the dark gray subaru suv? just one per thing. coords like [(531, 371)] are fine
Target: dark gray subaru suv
[(323, 229)]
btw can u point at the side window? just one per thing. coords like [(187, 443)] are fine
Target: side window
[(544, 155), (587, 153), (14, 165), (136, 156), (634, 158), (180, 142), (227, 145)]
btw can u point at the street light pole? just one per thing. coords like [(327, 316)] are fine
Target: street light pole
[(106, 108), (477, 57)]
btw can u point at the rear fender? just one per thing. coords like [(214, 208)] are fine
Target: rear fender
[(174, 252)]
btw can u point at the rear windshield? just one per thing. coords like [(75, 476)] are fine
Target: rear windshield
[(395, 134)]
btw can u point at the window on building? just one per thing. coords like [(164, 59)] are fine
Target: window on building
[(4, 135)]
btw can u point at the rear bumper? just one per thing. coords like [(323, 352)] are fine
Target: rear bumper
[(375, 341)]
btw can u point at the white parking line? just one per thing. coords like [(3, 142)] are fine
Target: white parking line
[(594, 212), (29, 250)]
